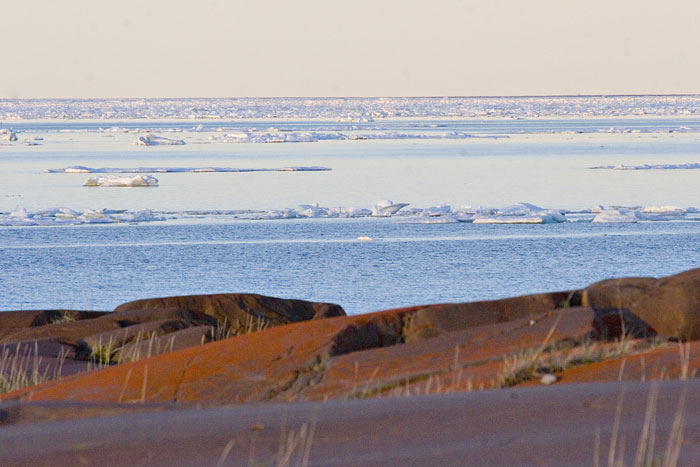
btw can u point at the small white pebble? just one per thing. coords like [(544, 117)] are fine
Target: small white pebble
[(549, 378), (532, 321)]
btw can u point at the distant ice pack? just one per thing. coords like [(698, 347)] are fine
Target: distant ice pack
[(359, 110)]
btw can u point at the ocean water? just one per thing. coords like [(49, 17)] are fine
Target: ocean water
[(421, 152), (99, 267)]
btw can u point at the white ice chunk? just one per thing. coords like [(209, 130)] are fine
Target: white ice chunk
[(427, 220), (280, 214), (434, 211), (615, 216), (509, 220), (141, 216), (153, 140), (469, 209), (20, 213), (77, 169), (348, 212), (386, 208), (519, 209), (114, 181), (661, 213), (90, 216), (311, 210), (667, 210), (60, 213)]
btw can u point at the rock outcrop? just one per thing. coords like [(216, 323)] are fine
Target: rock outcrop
[(241, 311), (669, 305)]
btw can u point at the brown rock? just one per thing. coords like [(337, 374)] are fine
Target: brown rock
[(32, 318), (110, 341), (670, 305), (343, 357), (241, 312), (156, 345), (434, 320)]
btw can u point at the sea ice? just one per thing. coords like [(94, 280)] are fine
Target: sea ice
[(615, 216), (145, 215), (386, 208), (348, 212), (688, 166), (114, 181), (311, 210), (435, 211), (427, 220), (153, 140), (83, 169)]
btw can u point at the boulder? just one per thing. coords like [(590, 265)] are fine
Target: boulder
[(434, 320), (107, 343), (670, 305), (241, 312)]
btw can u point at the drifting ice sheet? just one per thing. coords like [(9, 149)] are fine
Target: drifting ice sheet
[(136, 170), (689, 166), (66, 216), (153, 140), (615, 216), (112, 181)]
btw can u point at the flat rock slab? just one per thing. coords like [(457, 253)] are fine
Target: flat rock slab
[(554, 425)]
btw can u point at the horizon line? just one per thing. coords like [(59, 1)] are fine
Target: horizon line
[(436, 96)]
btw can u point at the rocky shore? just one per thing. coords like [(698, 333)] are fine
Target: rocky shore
[(604, 374)]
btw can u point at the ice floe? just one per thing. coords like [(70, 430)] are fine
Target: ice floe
[(110, 170), (114, 181), (688, 166), (387, 208), (154, 140), (521, 213), (427, 220), (67, 216), (616, 216)]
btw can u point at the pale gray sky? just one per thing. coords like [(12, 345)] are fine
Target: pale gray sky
[(218, 48)]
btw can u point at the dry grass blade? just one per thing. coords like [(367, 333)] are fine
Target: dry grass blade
[(21, 366)]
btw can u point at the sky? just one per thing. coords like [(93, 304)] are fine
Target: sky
[(239, 48)]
